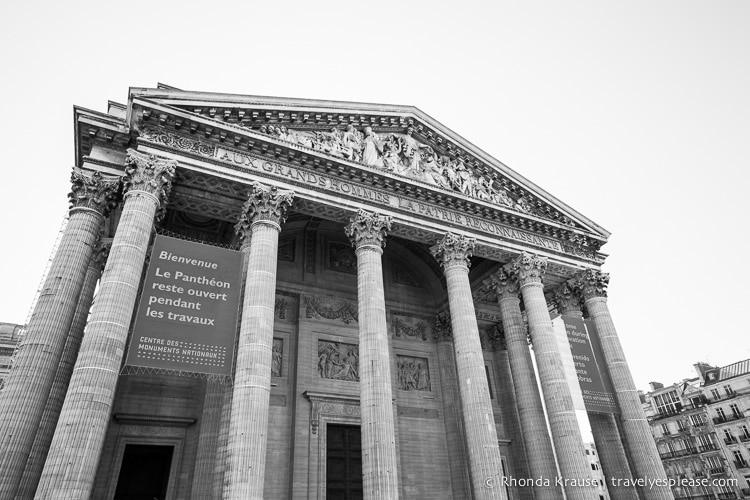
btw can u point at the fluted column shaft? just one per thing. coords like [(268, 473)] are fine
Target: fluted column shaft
[(76, 447), (208, 440), (609, 445), (221, 476), (261, 220), (640, 443), (38, 455), (612, 456), (541, 458), (566, 433), (485, 465), (512, 422), (454, 431), (379, 468), (24, 398)]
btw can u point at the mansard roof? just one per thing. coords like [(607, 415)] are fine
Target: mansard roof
[(413, 153)]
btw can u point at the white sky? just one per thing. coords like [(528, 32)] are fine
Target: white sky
[(633, 113)]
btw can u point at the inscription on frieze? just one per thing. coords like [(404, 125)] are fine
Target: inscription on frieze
[(413, 373), (338, 361)]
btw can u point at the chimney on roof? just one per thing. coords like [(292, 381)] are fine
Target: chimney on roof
[(701, 368)]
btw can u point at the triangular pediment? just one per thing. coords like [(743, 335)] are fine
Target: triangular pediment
[(401, 140)]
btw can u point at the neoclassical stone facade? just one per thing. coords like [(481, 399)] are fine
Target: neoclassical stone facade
[(393, 278)]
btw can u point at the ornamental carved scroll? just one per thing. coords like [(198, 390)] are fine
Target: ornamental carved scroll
[(408, 327), (317, 307), (337, 406)]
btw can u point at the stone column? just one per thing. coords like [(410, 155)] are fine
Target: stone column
[(566, 434), (35, 463), (208, 440), (592, 285), (536, 439), (379, 471), (507, 398), (454, 428), (261, 219), (485, 466), (28, 385), (221, 476), (603, 425), (76, 447)]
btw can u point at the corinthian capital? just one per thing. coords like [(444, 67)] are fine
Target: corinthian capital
[(366, 229), (93, 191), (528, 268), (100, 255), (566, 299), (453, 250), (503, 283), (591, 283), (266, 204), (149, 173)]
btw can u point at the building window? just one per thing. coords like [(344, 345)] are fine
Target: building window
[(681, 425), (715, 394), (665, 430), (744, 432), (728, 390), (735, 410), (739, 459), (728, 436), (720, 412), (667, 403), (594, 467), (713, 462), (698, 420), (705, 441)]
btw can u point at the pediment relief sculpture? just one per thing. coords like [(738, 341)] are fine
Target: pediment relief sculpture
[(401, 154)]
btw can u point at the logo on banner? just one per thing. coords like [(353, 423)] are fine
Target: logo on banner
[(596, 388), (187, 316)]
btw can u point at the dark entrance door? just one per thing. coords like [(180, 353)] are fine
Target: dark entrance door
[(343, 463), (144, 474)]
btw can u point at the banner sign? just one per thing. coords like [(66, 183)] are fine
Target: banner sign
[(187, 316), (596, 388)]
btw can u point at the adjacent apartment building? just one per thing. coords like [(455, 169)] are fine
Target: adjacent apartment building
[(702, 430)]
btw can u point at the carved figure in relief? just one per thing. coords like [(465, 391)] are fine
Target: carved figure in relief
[(372, 149), (413, 374), (338, 361), (404, 155), (276, 359), (352, 141)]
